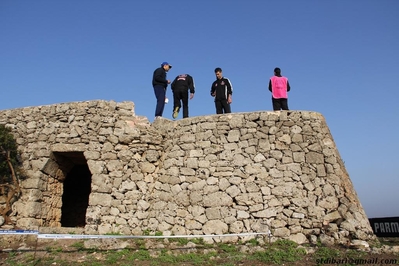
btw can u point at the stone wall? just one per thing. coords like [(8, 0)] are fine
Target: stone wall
[(218, 174)]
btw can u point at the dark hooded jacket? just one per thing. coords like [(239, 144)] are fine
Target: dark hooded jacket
[(159, 78)]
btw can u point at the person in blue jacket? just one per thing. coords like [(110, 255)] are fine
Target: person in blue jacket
[(160, 83)]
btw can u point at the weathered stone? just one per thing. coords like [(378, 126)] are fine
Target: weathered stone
[(298, 238), (233, 136), (147, 167), (278, 223), (197, 210), (215, 227), (236, 227), (266, 213), (100, 199), (196, 153), (285, 138), (326, 240), (329, 203), (314, 157), (218, 199), (285, 190), (213, 213), (196, 197), (259, 158), (298, 215), (333, 216), (281, 232), (242, 215), (192, 224), (199, 185), (92, 155), (143, 205), (151, 156), (127, 186), (228, 173), (224, 184)]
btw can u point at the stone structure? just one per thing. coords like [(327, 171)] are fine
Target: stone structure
[(98, 166)]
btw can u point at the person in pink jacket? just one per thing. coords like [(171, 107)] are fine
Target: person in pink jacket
[(279, 87)]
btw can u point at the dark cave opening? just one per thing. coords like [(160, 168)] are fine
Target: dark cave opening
[(75, 199)]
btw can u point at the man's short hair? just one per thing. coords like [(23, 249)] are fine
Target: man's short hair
[(218, 69), (277, 70)]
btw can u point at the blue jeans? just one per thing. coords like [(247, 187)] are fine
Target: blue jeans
[(160, 93)]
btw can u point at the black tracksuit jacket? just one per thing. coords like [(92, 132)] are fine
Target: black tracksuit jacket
[(183, 82), (222, 87)]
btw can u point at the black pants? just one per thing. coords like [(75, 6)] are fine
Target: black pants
[(181, 95), (280, 104), (222, 105)]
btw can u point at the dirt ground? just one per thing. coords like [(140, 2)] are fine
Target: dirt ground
[(80, 258), (68, 252)]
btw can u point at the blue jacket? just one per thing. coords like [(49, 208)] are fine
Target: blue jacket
[(159, 78)]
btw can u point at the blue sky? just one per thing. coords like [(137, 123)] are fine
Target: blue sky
[(340, 56)]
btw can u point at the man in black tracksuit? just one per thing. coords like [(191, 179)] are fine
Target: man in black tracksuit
[(180, 87), (222, 91)]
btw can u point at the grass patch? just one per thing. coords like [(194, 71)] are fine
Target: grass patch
[(145, 252), (114, 256), (326, 252), (142, 255), (193, 258), (140, 243), (228, 248), (158, 233), (279, 252), (355, 254), (146, 232), (54, 250), (253, 242), (180, 241), (78, 245)]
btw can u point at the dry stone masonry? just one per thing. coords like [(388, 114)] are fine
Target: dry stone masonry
[(98, 166)]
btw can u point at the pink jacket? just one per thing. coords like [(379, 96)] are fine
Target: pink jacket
[(279, 87)]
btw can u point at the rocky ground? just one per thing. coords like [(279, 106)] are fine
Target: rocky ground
[(194, 252)]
